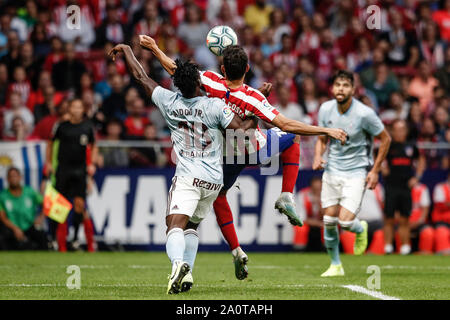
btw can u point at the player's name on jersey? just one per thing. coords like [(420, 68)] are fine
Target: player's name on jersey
[(196, 154), (187, 112), (235, 108)]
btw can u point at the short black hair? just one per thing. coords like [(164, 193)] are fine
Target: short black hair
[(235, 61), (11, 169), (345, 75), (186, 77)]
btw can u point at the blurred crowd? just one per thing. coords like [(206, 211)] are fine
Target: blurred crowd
[(402, 66)]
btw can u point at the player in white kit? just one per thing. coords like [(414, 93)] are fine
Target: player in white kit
[(196, 123), (350, 168)]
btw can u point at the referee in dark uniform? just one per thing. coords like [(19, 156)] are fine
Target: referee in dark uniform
[(70, 156), (400, 178)]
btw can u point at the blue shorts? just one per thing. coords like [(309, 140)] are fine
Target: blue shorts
[(274, 137)]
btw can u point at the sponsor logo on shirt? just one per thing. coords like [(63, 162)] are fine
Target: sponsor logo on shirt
[(409, 151), (83, 139)]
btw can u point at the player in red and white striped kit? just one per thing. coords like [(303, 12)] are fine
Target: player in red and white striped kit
[(246, 101)]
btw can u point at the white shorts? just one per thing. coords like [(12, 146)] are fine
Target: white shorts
[(192, 197), (344, 191)]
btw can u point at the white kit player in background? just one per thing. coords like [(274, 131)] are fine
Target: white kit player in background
[(350, 168), (196, 123)]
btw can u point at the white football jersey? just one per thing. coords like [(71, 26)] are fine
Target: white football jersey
[(196, 131)]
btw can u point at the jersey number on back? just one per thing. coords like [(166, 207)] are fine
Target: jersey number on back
[(196, 135)]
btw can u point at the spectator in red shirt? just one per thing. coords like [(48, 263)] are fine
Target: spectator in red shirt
[(20, 84), (442, 18), (431, 48), (56, 53), (37, 96), (43, 129), (111, 29), (150, 22), (308, 38), (136, 120), (324, 57), (286, 55)]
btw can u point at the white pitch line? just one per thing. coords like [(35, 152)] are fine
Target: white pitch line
[(371, 293)]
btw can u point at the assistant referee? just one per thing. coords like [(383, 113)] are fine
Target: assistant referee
[(70, 157)]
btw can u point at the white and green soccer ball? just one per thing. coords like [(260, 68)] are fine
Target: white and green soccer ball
[(219, 38)]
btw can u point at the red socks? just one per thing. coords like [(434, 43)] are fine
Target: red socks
[(224, 218), (61, 235), (290, 159), (89, 233)]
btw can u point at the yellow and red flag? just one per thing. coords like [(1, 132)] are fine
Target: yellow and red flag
[(55, 205)]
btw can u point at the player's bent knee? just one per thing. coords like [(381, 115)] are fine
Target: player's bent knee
[(176, 221), (191, 225)]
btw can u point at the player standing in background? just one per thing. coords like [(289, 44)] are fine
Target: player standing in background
[(195, 122), (346, 173), (246, 101), (399, 180), (67, 161)]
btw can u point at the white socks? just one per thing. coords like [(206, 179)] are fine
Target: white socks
[(405, 249), (191, 246), (388, 248), (175, 245)]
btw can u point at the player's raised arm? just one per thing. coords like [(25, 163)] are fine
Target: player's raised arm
[(297, 127), (149, 43), (135, 67)]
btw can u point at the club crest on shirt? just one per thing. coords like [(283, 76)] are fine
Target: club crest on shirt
[(83, 139), (409, 151), (267, 105)]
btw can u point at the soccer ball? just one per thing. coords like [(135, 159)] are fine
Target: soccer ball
[(219, 38)]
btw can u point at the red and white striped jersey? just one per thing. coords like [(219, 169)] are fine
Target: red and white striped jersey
[(244, 101)]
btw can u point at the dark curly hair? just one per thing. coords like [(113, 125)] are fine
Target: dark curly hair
[(186, 77), (235, 61), (344, 74)]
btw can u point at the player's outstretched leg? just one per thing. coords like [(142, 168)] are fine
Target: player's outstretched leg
[(290, 158), (224, 218), (360, 228), (331, 237)]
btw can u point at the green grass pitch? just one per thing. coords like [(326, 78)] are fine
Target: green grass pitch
[(143, 275)]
